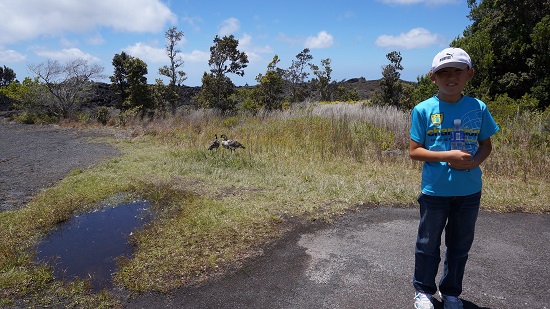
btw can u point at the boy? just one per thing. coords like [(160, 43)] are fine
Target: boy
[(451, 179)]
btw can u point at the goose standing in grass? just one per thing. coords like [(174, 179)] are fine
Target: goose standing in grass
[(230, 144), (215, 143)]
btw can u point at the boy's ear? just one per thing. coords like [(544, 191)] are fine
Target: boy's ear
[(432, 77), (471, 73)]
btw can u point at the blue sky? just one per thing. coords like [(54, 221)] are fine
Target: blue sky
[(356, 35)]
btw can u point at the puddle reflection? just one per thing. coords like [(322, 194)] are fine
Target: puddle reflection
[(87, 246)]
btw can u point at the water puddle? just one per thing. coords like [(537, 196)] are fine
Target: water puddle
[(88, 246)]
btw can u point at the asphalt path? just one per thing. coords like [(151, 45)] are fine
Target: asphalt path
[(365, 260)]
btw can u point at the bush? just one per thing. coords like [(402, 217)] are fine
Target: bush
[(36, 118), (102, 115), (503, 107)]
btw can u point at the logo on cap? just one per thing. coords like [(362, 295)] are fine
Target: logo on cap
[(447, 57)]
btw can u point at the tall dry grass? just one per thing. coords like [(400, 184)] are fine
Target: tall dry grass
[(356, 131), (522, 147), (320, 133)]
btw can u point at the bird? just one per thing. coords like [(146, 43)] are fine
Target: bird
[(215, 143), (230, 144)]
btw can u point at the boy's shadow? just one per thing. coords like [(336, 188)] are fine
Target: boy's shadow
[(467, 305)]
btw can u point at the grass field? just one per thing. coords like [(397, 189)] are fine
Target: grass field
[(215, 209)]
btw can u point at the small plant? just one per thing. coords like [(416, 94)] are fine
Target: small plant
[(230, 122), (102, 115)]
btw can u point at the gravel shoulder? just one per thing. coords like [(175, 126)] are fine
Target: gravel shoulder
[(35, 157)]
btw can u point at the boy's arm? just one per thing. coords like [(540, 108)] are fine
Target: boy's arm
[(457, 159), (483, 152)]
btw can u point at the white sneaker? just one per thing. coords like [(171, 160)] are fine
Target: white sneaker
[(423, 301), (451, 302)]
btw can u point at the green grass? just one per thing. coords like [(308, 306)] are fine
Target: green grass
[(217, 209)]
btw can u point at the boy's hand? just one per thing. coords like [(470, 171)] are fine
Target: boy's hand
[(460, 160)]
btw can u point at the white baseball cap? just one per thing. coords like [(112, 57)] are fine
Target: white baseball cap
[(451, 57)]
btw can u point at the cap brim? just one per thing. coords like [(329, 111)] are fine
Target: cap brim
[(460, 65)]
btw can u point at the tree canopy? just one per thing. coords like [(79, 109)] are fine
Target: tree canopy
[(7, 76), (508, 41), (66, 82), (177, 77), (129, 82), (225, 58)]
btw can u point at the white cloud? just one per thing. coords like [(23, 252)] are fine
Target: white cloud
[(196, 56), (229, 26), (281, 37), (245, 43), (322, 40), (11, 56), (147, 53), (96, 39), (253, 52), (193, 22), (157, 55), (415, 38), (28, 19), (68, 43), (66, 54)]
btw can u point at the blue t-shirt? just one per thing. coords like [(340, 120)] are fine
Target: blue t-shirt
[(432, 122)]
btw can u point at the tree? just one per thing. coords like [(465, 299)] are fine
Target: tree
[(119, 79), (67, 83), (139, 95), (173, 37), (296, 76), (347, 95), (271, 86), (32, 98), (391, 87), (225, 58), (540, 62), (216, 92), (160, 97), (130, 83), (423, 90), (503, 41), (7, 76), (322, 82)]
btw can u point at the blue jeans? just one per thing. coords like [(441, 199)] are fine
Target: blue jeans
[(457, 215)]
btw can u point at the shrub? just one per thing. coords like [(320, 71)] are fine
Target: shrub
[(102, 115), (503, 107)]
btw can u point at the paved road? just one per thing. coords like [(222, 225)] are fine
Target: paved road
[(365, 260)]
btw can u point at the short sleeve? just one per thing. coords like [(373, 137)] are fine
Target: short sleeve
[(488, 127), (418, 126)]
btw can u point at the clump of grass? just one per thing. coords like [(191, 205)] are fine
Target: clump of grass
[(522, 147), (217, 208)]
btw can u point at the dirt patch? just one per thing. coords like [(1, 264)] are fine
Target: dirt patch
[(35, 157)]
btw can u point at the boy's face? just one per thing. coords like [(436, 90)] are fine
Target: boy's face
[(451, 81)]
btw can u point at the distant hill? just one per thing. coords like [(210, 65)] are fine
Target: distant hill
[(365, 88)]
